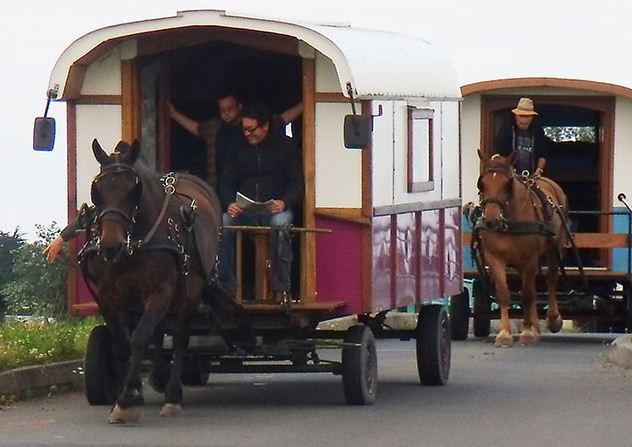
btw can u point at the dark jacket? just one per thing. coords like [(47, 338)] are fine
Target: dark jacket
[(269, 171), (84, 219), (506, 142)]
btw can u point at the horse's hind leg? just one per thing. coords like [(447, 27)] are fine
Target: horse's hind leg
[(553, 317), (499, 277), (531, 326)]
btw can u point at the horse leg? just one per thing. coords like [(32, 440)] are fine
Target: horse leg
[(498, 272), (117, 326), (173, 392), (553, 318), (159, 373), (130, 400), (531, 327)]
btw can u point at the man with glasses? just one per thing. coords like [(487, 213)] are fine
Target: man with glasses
[(220, 133), (265, 167)]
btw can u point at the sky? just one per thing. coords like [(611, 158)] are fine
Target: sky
[(484, 39)]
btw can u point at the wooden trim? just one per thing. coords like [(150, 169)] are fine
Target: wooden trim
[(130, 100), (74, 82), (163, 122), (71, 167), (601, 240), (576, 84), (426, 185), (99, 99), (308, 240), (415, 206), (585, 240), (351, 215), (367, 213), (162, 41), (393, 261), (330, 97)]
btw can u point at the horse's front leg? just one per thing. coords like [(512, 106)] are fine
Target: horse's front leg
[(173, 393), (129, 402), (531, 326), (553, 317), (497, 270)]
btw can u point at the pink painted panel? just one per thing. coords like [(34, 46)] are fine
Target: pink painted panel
[(83, 295), (453, 254), (431, 258), (405, 275), (339, 263), (382, 262)]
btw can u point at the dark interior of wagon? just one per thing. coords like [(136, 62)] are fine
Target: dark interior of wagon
[(197, 75), (573, 162)]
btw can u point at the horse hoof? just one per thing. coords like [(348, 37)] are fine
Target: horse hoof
[(120, 415), (169, 410), (554, 324), (503, 340), (528, 337)]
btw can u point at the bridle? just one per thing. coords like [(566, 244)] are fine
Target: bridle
[(168, 181), (128, 218), (503, 201)]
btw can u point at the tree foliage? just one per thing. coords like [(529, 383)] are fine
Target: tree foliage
[(35, 287), (9, 242)]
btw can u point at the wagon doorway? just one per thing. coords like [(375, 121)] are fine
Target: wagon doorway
[(199, 75), (580, 132), (192, 78)]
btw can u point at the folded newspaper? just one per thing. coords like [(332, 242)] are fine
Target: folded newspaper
[(247, 204)]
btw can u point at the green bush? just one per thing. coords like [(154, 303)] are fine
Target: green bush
[(38, 341)]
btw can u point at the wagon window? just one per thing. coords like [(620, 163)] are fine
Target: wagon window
[(420, 175)]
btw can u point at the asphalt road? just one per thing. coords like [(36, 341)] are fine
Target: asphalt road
[(560, 393)]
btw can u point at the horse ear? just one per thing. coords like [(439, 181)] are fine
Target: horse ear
[(480, 155), (99, 153), (134, 151)]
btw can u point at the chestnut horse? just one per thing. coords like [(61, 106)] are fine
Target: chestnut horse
[(154, 251), (523, 220)]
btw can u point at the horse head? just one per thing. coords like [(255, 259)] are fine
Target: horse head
[(495, 185), (116, 193)]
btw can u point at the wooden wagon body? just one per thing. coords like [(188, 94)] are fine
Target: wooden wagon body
[(393, 207)]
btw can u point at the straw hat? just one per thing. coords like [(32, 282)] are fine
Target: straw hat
[(525, 107)]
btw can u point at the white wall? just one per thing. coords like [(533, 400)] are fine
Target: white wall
[(102, 122), (338, 171), (390, 153), (470, 143)]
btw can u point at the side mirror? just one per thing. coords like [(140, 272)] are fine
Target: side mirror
[(44, 133), (357, 131)]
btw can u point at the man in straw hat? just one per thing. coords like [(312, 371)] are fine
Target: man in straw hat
[(525, 137)]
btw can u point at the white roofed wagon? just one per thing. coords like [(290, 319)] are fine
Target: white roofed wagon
[(393, 206)]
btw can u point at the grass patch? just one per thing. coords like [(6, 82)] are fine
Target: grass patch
[(40, 342)]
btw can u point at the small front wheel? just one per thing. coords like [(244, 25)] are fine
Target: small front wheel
[(359, 366), (433, 345), (460, 315), (101, 378)]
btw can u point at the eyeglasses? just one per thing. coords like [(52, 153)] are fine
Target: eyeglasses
[(249, 130)]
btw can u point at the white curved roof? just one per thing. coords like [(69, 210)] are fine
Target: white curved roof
[(375, 63)]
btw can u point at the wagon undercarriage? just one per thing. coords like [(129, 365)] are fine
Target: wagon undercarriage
[(288, 342)]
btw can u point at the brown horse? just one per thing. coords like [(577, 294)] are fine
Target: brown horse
[(523, 220), (154, 252)]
